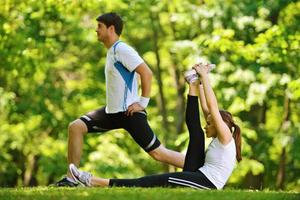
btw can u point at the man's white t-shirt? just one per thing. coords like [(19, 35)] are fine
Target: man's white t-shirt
[(219, 162), (118, 95)]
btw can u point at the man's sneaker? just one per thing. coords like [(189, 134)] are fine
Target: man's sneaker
[(80, 176), (65, 183)]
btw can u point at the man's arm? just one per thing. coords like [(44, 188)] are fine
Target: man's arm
[(146, 80)]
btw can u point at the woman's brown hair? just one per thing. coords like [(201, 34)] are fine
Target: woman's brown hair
[(236, 132)]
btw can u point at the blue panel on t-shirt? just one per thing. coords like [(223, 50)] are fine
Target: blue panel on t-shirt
[(125, 73)]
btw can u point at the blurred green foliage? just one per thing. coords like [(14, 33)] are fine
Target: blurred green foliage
[(51, 72)]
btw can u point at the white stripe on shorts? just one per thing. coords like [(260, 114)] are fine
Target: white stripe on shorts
[(151, 143), (86, 117)]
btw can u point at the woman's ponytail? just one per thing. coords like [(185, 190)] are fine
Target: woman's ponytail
[(238, 141), (236, 132)]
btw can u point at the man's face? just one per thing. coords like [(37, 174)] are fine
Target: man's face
[(102, 32)]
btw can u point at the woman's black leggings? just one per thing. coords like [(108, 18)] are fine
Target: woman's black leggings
[(195, 156)]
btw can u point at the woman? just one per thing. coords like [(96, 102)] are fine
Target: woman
[(209, 170)]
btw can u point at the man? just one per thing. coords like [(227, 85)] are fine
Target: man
[(124, 108)]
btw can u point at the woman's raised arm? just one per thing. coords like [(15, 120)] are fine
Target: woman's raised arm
[(223, 133)]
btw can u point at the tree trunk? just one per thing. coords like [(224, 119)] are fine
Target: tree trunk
[(253, 181), (161, 100), (258, 116), (31, 168), (284, 128), (180, 104), (158, 75), (281, 170)]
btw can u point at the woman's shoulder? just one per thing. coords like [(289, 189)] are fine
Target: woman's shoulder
[(216, 141)]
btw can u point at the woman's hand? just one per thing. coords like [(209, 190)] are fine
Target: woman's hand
[(201, 69)]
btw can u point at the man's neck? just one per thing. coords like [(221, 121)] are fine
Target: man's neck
[(110, 42)]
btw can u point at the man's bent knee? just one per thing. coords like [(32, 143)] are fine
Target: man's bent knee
[(77, 126)]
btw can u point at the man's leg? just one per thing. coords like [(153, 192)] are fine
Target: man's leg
[(195, 156), (138, 127), (93, 122), (77, 129), (168, 156)]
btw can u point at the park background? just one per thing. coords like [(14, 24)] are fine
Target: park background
[(52, 72)]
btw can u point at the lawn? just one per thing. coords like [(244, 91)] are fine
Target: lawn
[(45, 193)]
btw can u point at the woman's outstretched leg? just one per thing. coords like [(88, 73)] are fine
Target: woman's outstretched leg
[(175, 179), (195, 155)]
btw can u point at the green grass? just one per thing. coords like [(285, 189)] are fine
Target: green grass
[(45, 193)]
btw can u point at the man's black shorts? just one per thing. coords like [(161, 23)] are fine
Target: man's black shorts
[(137, 125)]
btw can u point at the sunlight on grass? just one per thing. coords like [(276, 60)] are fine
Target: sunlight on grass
[(45, 193)]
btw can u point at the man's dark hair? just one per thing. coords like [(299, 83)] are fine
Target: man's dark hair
[(110, 19)]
